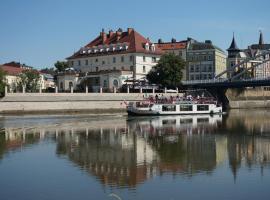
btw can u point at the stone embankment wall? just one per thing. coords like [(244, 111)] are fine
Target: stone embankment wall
[(249, 98), (64, 102)]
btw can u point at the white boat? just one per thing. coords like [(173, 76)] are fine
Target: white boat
[(174, 108)]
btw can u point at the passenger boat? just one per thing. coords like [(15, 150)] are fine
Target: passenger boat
[(179, 106)]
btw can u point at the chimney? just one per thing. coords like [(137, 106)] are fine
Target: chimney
[(129, 30), (110, 33), (160, 41), (103, 35), (118, 34)]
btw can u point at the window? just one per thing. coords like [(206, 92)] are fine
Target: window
[(205, 76), (123, 68), (130, 58), (197, 77), (96, 60), (210, 68), (209, 57), (154, 59), (169, 108), (144, 58), (186, 121), (96, 69), (197, 68), (86, 62), (115, 83), (169, 122), (122, 59), (72, 63), (103, 62), (202, 107), (204, 58), (202, 120), (114, 59), (144, 69), (180, 53), (186, 108), (105, 83), (192, 77), (114, 68), (79, 63), (209, 76), (61, 85), (131, 68), (191, 68), (70, 84)]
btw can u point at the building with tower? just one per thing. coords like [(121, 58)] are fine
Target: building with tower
[(237, 55)]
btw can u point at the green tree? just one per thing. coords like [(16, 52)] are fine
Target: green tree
[(168, 72), (2, 82), (30, 79), (61, 66)]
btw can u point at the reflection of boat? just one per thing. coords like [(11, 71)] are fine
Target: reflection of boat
[(173, 108)]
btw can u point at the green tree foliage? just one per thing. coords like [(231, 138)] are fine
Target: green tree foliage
[(168, 71), (2, 82), (30, 79), (61, 66)]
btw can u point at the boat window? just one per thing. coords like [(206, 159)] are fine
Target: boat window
[(186, 121), (169, 121), (169, 108), (202, 120), (186, 108), (202, 107)]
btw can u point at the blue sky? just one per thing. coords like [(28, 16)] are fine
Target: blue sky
[(39, 33)]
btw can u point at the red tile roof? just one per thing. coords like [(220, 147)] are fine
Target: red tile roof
[(135, 41), (10, 70), (172, 46)]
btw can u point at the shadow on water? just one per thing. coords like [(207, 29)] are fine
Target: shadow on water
[(124, 152)]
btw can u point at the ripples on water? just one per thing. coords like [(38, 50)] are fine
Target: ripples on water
[(106, 156)]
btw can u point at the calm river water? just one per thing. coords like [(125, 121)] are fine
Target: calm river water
[(118, 157)]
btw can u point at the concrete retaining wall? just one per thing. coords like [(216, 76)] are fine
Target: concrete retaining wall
[(248, 98), (65, 102)]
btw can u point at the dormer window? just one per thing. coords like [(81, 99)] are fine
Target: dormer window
[(153, 47), (146, 46)]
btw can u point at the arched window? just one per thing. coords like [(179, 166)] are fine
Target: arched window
[(61, 86), (70, 84), (115, 83)]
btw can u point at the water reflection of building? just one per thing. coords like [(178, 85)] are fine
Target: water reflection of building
[(126, 153)]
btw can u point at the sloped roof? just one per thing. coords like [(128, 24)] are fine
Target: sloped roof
[(172, 45), (133, 39), (233, 46), (11, 70)]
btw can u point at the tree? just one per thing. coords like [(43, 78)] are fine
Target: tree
[(30, 79), (61, 66), (2, 82), (168, 71)]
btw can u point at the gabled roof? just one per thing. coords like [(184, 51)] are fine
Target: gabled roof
[(135, 42)]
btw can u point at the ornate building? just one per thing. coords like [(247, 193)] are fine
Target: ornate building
[(113, 57)]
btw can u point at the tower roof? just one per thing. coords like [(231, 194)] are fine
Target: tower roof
[(233, 46), (261, 42)]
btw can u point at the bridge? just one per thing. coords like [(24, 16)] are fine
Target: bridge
[(243, 74)]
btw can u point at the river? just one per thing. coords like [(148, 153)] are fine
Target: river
[(113, 156)]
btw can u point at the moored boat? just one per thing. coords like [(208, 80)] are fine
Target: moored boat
[(174, 106)]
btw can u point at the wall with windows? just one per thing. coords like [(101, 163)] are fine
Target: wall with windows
[(106, 62), (144, 63), (205, 64), (64, 82)]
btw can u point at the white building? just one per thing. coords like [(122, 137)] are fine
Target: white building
[(114, 57)]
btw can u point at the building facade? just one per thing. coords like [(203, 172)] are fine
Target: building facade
[(114, 57), (237, 55), (176, 48), (204, 60)]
